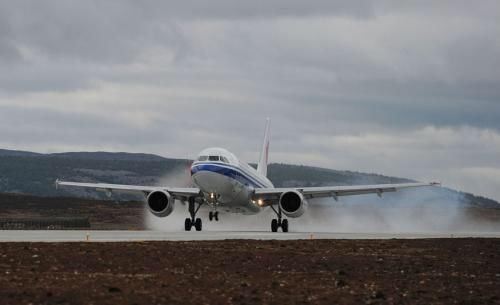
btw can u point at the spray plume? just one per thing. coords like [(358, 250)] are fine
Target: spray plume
[(417, 210)]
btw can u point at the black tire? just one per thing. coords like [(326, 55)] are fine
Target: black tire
[(284, 225), (187, 224), (210, 216), (197, 224), (274, 225), (216, 216)]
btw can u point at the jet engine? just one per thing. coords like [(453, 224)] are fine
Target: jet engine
[(293, 204), (160, 203)]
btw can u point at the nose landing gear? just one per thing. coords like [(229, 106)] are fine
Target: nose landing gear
[(213, 202), (213, 216)]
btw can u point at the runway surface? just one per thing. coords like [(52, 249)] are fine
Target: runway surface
[(123, 236)]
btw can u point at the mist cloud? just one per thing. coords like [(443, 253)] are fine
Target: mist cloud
[(421, 211)]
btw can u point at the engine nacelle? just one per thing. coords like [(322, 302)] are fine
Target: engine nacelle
[(293, 204), (160, 203)]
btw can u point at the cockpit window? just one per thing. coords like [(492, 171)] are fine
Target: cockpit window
[(213, 158)]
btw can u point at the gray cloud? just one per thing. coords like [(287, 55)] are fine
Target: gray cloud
[(84, 31), (117, 31), (407, 89)]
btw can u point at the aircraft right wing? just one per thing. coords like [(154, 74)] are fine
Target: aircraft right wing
[(271, 195), (177, 192)]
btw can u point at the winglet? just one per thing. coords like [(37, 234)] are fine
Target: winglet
[(264, 155)]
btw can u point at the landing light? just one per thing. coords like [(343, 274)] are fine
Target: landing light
[(260, 202)]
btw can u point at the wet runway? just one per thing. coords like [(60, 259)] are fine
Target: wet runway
[(124, 236)]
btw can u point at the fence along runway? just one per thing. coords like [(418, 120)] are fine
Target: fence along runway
[(137, 236)]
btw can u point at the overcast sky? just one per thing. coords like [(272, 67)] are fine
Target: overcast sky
[(404, 88)]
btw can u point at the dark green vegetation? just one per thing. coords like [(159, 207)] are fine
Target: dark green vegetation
[(31, 173), (35, 174)]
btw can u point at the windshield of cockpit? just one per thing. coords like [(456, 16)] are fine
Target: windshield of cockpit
[(213, 159)]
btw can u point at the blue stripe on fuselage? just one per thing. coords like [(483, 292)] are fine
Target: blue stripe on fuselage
[(227, 171)]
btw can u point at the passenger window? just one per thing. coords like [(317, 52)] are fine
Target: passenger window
[(203, 158), (224, 159), (213, 158)]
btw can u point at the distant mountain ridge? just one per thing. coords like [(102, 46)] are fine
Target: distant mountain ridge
[(17, 153), (35, 173), (97, 155)]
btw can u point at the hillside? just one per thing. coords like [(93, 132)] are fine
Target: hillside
[(31, 173)]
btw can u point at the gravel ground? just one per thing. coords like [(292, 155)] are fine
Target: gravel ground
[(432, 271)]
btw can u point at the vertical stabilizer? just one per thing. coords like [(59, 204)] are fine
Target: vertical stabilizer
[(264, 155)]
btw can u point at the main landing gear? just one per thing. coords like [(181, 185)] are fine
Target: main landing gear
[(277, 223), (213, 216), (193, 221)]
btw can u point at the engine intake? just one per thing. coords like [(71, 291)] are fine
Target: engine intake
[(160, 203), (293, 204)]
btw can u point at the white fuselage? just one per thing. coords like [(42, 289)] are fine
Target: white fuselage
[(226, 182)]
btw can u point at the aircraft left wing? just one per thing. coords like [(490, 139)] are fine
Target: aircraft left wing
[(271, 195), (177, 192)]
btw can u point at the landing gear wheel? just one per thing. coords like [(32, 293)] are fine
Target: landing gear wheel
[(280, 222), (274, 225), (197, 224), (187, 224), (216, 216), (210, 216), (284, 225), (190, 222)]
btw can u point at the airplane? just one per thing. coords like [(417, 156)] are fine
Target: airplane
[(223, 182)]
